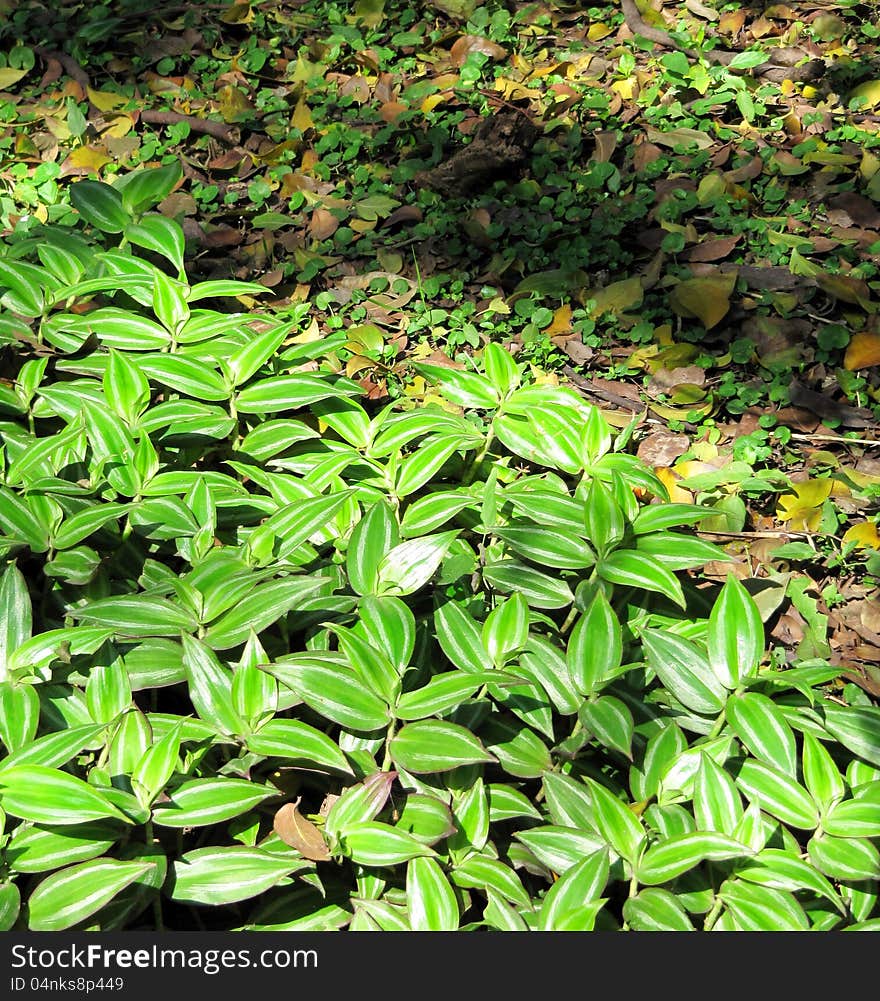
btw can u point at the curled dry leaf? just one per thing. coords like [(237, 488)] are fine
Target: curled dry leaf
[(294, 830)]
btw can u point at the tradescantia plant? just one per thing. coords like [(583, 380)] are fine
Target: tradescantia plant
[(272, 659)]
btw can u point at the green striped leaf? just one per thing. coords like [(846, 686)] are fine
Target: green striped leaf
[(717, 802), (333, 690), (684, 670), (68, 897), (48, 796), (736, 634), (777, 794), (654, 909), (634, 569), (430, 900), (137, 615), (202, 802), (763, 729), (665, 861), (218, 876), (595, 646), (378, 844), (436, 746), (298, 744), (762, 908), (617, 823)]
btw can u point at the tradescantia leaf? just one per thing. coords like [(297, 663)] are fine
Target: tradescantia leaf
[(856, 727), (573, 901), (684, 670), (761, 726), (201, 802), (137, 615), (595, 647), (777, 794), (655, 909), (411, 564), (762, 908), (70, 896), (436, 746), (736, 634), (48, 796), (333, 690), (431, 902), (631, 568), (663, 862), (225, 875), (378, 844), (617, 823)]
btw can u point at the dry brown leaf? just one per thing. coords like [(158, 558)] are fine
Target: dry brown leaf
[(662, 448), (860, 210), (712, 250), (294, 830), (467, 44), (322, 224)]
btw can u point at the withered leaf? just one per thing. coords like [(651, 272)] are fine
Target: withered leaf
[(294, 830), (713, 250)]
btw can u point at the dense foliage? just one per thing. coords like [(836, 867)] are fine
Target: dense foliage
[(275, 657)]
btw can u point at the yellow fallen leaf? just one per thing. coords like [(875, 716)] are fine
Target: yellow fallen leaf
[(238, 13), (867, 93), (88, 158), (870, 164), (863, 351), (677, 494), (10, 76), (598, 31), (233, 103), (802, 508), (106, 100), (302, 117), (119, 127), (707, 298), (561, 321), (618, 297), (864, 535)]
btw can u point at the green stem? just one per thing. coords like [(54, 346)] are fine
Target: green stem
[(713, 915), (472, 469), (158, 920), (386, 760)]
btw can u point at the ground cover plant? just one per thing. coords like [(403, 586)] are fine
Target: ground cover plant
[(401, 532)]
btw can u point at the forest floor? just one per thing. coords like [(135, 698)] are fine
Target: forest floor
[(684, 227)]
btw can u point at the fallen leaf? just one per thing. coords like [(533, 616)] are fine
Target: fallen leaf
[(852, 290), (827, 408), (322, 224), (802, 508), (712, 250), (863, 351), (679, 137), (10, 76), (859, 209), (466, 44), (618, 297), (867, 94), (706, 298), (864, 535), (91, 158), (662, 448)]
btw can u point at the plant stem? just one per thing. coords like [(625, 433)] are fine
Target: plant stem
[(472, 469)]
